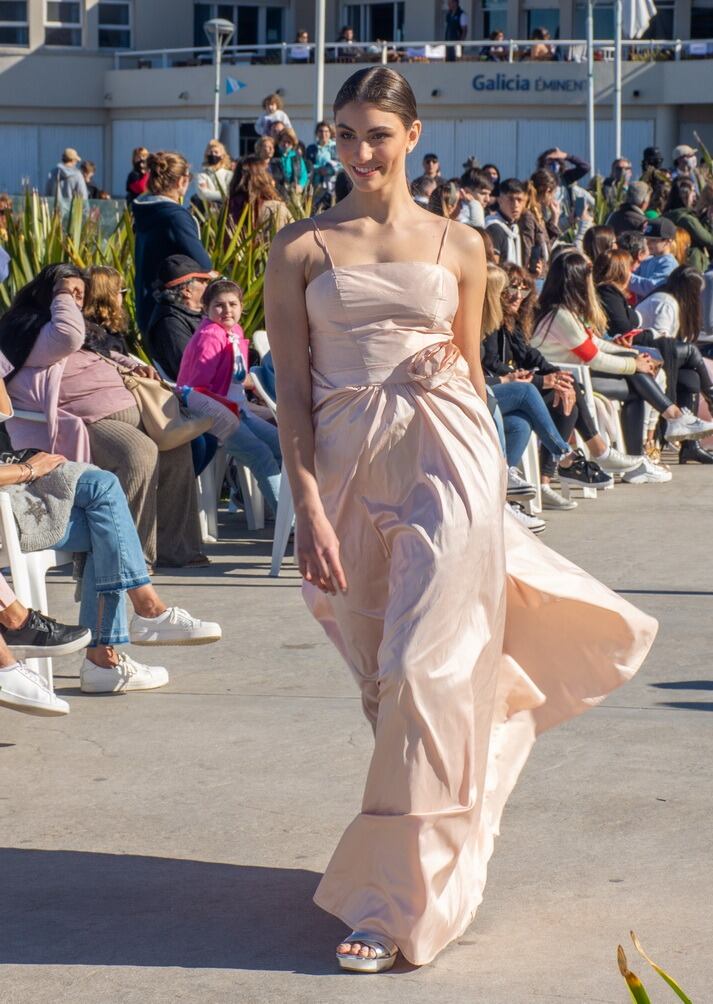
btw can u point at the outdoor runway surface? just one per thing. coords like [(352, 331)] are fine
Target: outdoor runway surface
[(164, 846)]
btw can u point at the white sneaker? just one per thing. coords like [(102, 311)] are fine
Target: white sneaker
[(533, 523), (647, 473), (518, 487), (173, 627), (687, 426), (127, 675), (617, 462), (21, 689), (553, 500)]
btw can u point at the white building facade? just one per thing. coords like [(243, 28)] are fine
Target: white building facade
[(104, 76)]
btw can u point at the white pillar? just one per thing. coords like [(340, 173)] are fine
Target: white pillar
[(618, 14), (217, 54), (320, 19), (590, 87)]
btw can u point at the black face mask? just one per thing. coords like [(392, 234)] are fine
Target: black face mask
[(213, 158)]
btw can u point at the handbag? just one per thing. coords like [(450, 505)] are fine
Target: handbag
[(164, 420)]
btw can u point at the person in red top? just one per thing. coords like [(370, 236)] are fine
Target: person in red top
[(137, 182)]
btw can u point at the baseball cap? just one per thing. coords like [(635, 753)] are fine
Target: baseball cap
[(660, 228), (70, 154), (178, 268), (682, 151), (653, 153)]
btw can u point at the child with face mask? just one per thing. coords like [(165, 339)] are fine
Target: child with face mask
[(138, 180)]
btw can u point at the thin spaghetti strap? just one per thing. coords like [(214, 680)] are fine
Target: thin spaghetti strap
[(319, 237), (443, 241)]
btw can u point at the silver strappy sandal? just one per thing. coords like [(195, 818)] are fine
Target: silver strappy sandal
[(386, 952)]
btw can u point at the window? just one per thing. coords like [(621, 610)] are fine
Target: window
[(701, 20), (661, 25), (495, 17), (370, 21), (13, 23), (115, 24), (254, 24), (603, 21), (543, 17), (63, 23)]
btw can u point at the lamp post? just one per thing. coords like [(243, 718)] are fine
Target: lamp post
[(219, 32), (591, 127), (320, 18)]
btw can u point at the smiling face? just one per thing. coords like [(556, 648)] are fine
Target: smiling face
[(373, 144), (225, 309)]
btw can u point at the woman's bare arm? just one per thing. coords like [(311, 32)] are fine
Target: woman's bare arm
[(469, 248), (288, 332)]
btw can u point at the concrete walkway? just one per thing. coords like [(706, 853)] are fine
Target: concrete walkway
[(163, 847)]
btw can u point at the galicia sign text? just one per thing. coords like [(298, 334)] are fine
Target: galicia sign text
[(516, 82)]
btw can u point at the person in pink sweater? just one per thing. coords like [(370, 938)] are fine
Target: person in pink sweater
[(215, 364)]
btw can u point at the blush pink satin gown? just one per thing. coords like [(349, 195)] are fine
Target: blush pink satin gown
[(466, 635)]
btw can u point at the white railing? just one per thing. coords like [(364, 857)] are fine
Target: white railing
[(485, 50)]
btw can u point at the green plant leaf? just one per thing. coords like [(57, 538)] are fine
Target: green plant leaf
[(636, 987), (664, 975)]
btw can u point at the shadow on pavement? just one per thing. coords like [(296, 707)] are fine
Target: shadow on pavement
[(82, 908), (688, 705), (685, 685)]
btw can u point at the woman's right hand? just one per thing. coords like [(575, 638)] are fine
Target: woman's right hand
[(645, 364), (318, 555), (71, 285), (43, 463)]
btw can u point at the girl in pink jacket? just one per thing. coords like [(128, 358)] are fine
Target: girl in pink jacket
[(215, 363)]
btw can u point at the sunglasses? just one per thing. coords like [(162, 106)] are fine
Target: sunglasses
[(517, 289)]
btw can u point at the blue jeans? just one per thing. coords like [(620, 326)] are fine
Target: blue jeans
[(101, 526), (256, 444), (523, 402)]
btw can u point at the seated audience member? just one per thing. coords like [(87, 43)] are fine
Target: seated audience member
[(682, 246), (502, 224), (254, 187), (540, 50), (652, 271), (597, 240), (422, 189), (666, 321), (349, 51), (479, 186), (75, 507), (273, 111), (524, 411), (107, 322), (449, 200), (631, 215), (28, 634), (497, 51), (507, 351), (300, 51), (682, 210), (215, 364), (91, 415), (178, 292), (634, 242), (570, 325)]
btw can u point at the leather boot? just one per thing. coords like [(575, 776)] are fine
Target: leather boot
[(692, 452)]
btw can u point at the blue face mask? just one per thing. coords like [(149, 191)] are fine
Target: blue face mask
[(554, 165)]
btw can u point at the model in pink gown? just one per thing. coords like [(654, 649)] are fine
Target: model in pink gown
[(467, 636)]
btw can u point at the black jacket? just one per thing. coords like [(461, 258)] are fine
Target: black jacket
[(620, 316), (626, 218), (170, 329), (505, 351)]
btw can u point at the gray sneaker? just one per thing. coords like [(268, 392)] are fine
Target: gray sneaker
[(617, 462), (553, 500)]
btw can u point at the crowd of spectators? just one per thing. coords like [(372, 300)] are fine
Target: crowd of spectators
[(628, 300)]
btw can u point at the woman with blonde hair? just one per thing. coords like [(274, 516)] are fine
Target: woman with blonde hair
[(213, 181), (164, 227)]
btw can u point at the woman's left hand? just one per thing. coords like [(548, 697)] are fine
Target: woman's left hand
[(147, 371)]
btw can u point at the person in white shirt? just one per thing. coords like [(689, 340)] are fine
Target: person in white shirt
[(273, 112), (213, 181)]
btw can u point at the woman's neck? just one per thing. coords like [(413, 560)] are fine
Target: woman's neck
[(386, 206)]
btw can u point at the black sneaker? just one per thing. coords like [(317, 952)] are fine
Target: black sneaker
[(43, 637), (584, 473)]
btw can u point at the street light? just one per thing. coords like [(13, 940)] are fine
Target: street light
[(219, 32)]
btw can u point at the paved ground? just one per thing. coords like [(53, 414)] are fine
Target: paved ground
[(164, 847)]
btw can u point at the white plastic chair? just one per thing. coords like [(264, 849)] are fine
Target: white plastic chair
[(28, 573), (260, 343), (283, 524), (531, 471)]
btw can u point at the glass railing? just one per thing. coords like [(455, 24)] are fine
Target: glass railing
[(482, 50)]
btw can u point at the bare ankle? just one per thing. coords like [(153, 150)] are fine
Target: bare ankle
[(103, 656)]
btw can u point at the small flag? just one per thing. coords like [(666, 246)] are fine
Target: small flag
[(232, 85)]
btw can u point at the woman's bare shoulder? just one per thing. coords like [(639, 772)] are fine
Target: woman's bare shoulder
[(465, 248), (293, 244)]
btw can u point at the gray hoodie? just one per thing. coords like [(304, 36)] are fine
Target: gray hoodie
[(68, 181)]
